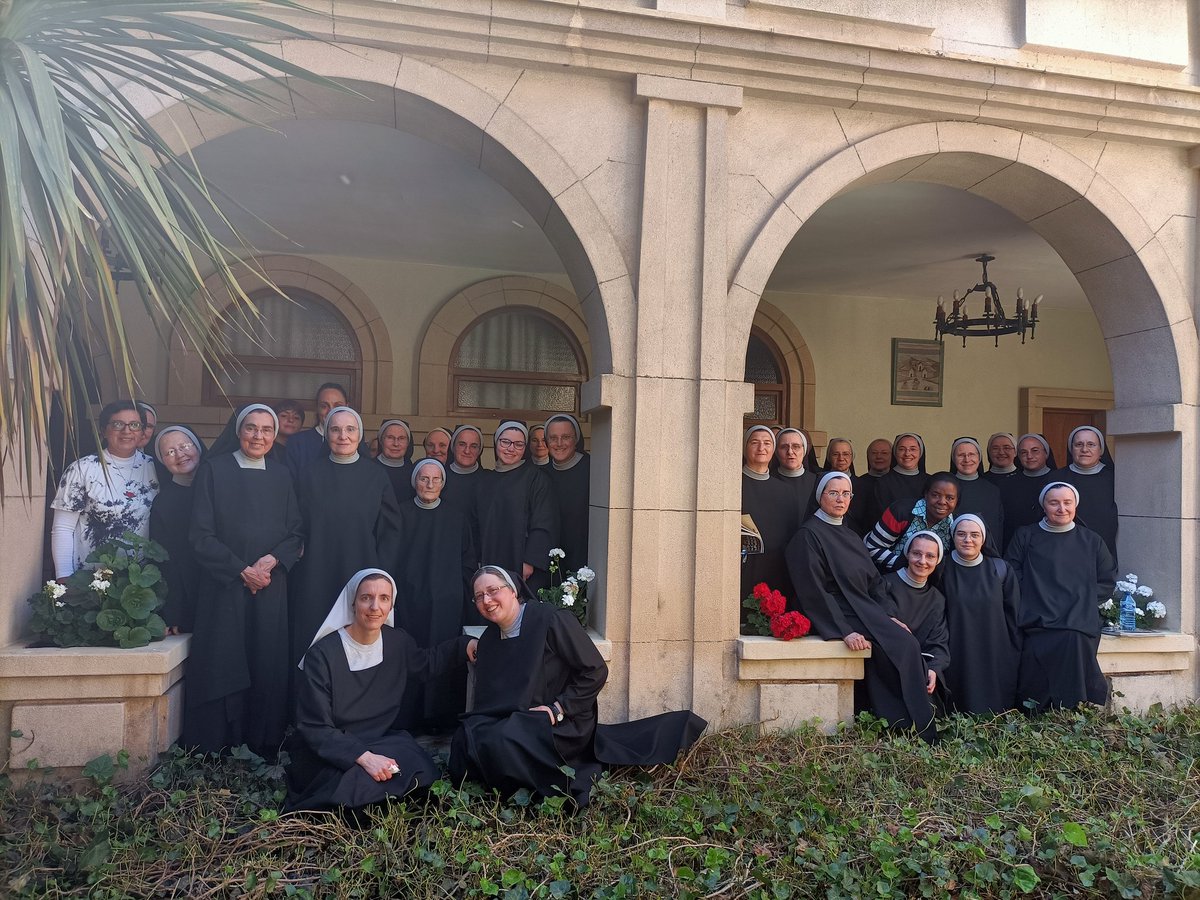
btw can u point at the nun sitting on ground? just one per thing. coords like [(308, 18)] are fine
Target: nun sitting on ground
[(347, 698), (537, 676)]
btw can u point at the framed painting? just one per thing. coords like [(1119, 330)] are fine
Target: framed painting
[(917, 367)]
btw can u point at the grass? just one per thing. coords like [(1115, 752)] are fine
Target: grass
[(1082, 804)]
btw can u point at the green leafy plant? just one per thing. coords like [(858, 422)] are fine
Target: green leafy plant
[(570, 592), (111, 602)]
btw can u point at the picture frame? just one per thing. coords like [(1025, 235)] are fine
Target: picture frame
[(918, 367)]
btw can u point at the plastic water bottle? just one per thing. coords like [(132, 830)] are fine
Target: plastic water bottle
[(1128, 614)]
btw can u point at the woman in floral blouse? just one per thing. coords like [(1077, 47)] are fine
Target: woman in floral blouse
[(101, 500)]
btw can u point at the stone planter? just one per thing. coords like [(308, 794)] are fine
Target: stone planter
[(74, 704)]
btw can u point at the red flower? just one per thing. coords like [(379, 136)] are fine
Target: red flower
[(789, 625), (772, 605), (761, 590)]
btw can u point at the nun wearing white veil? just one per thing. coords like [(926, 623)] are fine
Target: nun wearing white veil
[(348, 694)]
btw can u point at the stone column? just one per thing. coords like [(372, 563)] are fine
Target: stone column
[(682, 416)]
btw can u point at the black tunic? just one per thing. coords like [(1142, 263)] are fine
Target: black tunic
[(464, 491), (518, 522), (982, 606), (1064, 576), (1019, 496), (507, 747), (859, 516), (998, 478), (1097, 508), (890, 487), (238, 664), (170, 521), (982, 498), (923, 610), (776, 513), (342, 714), (351, 522), (834, 577), (400, 478), (572, 493), (804, 491), (432, 604)]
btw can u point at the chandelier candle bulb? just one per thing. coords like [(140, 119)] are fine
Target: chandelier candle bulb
[(1036, 301), (1020, 301), (941, 310)]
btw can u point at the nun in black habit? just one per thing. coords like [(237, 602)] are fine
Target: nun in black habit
[(976, 494), (839, 457), (246, 534), (906, 480), (921, 606), (351, 522), (1091, 472), (347, 752), (518, 518), (466, 478), (537, 676), (1019, 495), (775, 510), (983, 600), (1065, 572), (435, 561), (394, 451), (834, 578), (180, 453), (792, 457), (570, 472), (1002, 457)]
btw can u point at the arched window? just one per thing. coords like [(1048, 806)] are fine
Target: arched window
[(302, 343), (766, 371), (518, 362)]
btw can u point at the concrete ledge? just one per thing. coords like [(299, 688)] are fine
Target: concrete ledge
[(1149, 653), (604, 645), (73, 704), (804, 659)]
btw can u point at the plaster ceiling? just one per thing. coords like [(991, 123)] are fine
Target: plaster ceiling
[(353, 189)]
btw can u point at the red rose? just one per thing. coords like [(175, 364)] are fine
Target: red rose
[(772, 605), (789, 625), (761, 590)]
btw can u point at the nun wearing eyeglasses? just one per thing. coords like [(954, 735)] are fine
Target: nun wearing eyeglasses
[(1020, 495), (983, 601), (774, 509), (350, 753), (570, 472), (1065, 572), (537, 677), (976, 494), (351, 521), (179, 451), (1091, 472), (836, 584), (245, 531), (518, 518), (394, 451), (466, 476), (434, 563), (793, 468), (906, 480)]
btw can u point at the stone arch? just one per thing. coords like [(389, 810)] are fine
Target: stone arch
[(416, 96), (801, 372), (462, 310), (374, 341), (1135, 292)]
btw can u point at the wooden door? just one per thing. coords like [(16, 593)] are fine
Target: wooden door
[(1057, 425)]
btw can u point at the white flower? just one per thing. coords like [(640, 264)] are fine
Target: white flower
[(1156, 609), (59, 604), (1107, 604), (1139, 611), (557, 553), (100, 585), (1131, 577), (56, 590), (1144, 591), (570, 586), (1126, 587), (586, 575), (568, 600)]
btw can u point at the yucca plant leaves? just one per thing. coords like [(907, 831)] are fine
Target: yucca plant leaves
[(81, 166)]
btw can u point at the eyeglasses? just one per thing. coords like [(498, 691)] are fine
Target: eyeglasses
[(118, 426), (255, 430), (176, 451), (491, 592), (510, 444), (839, 495), (561, 439), (464, 446), (431, 481), (343, 429), (1086, 445)]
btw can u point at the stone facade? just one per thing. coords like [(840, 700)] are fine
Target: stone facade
[(670, 152)]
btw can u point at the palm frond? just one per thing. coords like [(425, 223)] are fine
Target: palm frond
[(80, 165)]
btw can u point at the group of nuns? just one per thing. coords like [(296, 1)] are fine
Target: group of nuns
[(975, 591), (271, 524)]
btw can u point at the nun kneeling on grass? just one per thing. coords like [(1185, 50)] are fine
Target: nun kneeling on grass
[(348, 695)]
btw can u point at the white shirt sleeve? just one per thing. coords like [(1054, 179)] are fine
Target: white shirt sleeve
[(62, 542)]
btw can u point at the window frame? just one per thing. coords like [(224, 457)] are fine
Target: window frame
[(455, 373), (780, 390), (347, 373)]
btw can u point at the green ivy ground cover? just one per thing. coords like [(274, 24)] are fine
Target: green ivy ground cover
[(1075, 804)]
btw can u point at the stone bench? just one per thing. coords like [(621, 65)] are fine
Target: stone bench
[(812, 679)]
